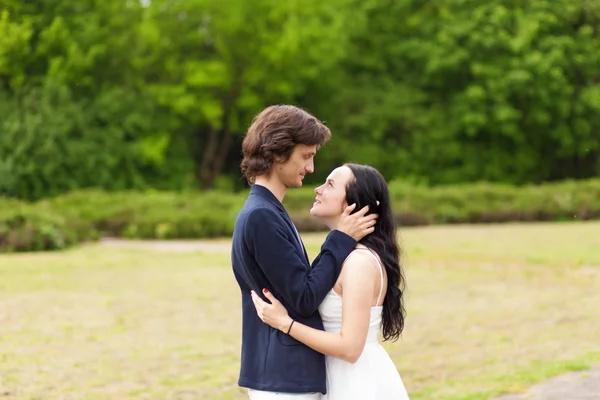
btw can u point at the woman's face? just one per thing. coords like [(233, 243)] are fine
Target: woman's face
[(331, 196)]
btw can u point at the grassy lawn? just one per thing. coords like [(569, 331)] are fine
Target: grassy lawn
[(490, 309)]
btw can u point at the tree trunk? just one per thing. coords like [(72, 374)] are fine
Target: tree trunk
[(219, 141), (212, 163), (223, 151), (204, 173)]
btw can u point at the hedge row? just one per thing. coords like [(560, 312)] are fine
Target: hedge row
[(25, 227), (156, 215), (475, 203), (85, 215)]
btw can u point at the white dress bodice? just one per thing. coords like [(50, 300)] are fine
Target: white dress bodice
[(373, 376)]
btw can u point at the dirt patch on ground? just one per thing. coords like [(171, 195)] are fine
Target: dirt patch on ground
[(573, 386)]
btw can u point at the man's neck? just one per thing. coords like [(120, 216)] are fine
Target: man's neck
[(275, 186)]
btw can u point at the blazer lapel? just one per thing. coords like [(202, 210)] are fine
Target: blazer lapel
[(267, 195), (299, 243)]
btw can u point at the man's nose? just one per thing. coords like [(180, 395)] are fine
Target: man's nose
[(310, 167)]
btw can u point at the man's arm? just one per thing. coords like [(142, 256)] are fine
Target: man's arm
[(302, 290)]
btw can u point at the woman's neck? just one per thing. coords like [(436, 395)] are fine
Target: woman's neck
[(332, 223)]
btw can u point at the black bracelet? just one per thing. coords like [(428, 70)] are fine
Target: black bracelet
[(290, 328)]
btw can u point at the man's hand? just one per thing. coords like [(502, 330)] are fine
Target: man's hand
[(357, 225)]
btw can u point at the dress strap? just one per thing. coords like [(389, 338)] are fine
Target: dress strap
[(380, 271)]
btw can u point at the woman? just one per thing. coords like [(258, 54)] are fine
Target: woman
[(367, 297)]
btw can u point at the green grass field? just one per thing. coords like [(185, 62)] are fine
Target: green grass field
[(490, 308)]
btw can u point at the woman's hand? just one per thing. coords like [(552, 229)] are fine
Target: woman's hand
[(273, 314)]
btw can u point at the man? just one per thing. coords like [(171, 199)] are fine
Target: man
[(268, 253)]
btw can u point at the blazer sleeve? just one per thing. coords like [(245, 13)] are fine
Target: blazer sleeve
[(301, 289)]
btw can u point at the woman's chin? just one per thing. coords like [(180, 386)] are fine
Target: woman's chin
[(315, 213)]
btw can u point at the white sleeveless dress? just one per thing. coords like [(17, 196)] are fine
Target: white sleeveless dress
[(374, 376)]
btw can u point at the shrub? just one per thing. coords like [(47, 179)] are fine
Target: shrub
[(24, 227), (150, 215), (474, 203), (65, 220)]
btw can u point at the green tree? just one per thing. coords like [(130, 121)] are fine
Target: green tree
[(215, 64), (73, 113), (460, 91)]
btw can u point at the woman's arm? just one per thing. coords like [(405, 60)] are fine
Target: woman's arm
[(358, 280), (267, 239)]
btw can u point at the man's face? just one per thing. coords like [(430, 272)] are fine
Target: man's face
[(301, 162)]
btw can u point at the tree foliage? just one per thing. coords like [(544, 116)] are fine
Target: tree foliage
[(127, 95)]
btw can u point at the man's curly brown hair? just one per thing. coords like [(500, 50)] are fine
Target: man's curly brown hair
[(275, 132)]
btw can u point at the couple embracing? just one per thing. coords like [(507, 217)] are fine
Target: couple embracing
[(311, 331)]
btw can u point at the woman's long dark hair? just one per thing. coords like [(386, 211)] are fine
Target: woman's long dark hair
[(366, 189)]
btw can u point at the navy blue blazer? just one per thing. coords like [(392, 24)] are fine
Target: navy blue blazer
[(267, 253)]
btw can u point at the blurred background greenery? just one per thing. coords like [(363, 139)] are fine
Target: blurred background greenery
[(122, 117)]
